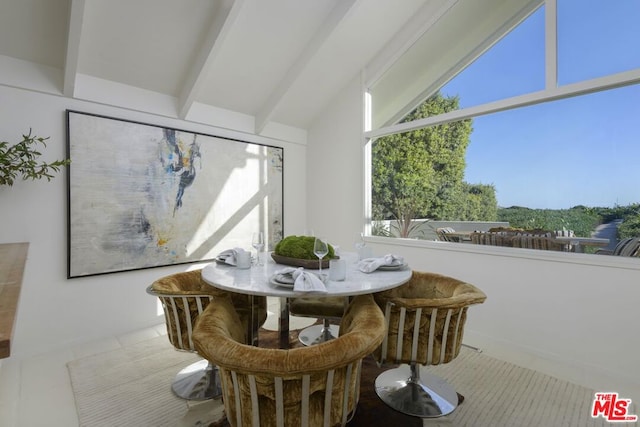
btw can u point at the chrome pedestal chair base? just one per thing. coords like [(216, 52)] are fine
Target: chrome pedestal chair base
[(317, 334), (198, 381), (412, 390)]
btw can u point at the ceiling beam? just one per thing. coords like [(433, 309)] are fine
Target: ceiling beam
[(72, 57), (410, 33), (269, 108), (224, 19)]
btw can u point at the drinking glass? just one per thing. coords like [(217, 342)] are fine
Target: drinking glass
[(258, 245), (363, 250), (320, 248), (360, 243)]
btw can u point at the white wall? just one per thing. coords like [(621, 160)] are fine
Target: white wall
[(335, 170), (569, 319), (579, 318), (53, 311)]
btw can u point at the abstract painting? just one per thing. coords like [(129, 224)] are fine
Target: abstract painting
[(142, 195)]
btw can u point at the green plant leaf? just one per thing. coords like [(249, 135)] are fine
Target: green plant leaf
[(20, 159)]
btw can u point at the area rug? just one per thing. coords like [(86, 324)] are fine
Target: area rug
[(131, 387), (499, 394)]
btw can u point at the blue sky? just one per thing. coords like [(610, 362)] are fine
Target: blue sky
[(578, 151)]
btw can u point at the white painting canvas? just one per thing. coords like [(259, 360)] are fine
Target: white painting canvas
[(145, 196)]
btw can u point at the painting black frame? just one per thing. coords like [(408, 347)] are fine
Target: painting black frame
[(136, 198)]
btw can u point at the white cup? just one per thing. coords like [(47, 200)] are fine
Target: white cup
[(243, 259), (337, 269)]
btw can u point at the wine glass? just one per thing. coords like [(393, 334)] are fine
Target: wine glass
[(258, 245), (360, 247), (320, 248), (360, 243)]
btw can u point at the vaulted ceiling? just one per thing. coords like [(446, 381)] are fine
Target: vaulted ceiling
[(279, 61)]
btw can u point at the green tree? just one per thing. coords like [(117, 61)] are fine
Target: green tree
[(419, 174), (629, 228), (402, 179), (479, 203)]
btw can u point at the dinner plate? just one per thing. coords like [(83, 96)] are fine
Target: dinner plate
[(288, 281), (273, 281), (392, 267), (283, 278), (222, 261)]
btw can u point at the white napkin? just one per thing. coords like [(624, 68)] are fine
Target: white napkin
[(229, 256), (368, 265), (303, 281)]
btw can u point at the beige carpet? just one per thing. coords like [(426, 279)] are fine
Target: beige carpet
[(501, 394), (131, 387)]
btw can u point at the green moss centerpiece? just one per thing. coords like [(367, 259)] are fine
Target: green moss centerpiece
[(298, 252)]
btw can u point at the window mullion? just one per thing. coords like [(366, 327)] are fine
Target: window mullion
[(551, 44), (602, 83)]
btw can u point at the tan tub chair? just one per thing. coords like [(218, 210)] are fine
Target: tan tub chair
[(184, 296), (308, 386), (425, 320)]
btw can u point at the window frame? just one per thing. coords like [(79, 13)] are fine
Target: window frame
[(551, 92)]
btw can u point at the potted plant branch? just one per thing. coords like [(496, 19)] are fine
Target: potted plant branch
[(21, 160)]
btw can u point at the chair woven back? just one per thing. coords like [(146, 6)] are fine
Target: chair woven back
[(184, 297), (180, 314), (443, 234), (491, 238), (541, 239), (427, 336), (425, 319), (543, 242), (328, 307)]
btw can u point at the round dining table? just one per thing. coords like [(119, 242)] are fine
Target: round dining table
[(258, 281)]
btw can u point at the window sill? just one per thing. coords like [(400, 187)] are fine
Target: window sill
[(631, 263)]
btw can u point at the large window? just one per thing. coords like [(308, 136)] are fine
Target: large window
[(533, 130)]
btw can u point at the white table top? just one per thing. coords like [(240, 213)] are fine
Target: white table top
[(256, 280)]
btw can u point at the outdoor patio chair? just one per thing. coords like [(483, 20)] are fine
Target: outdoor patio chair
[(566, 247), (444, 235), (491, 238), (544, 241), (626, 247)]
